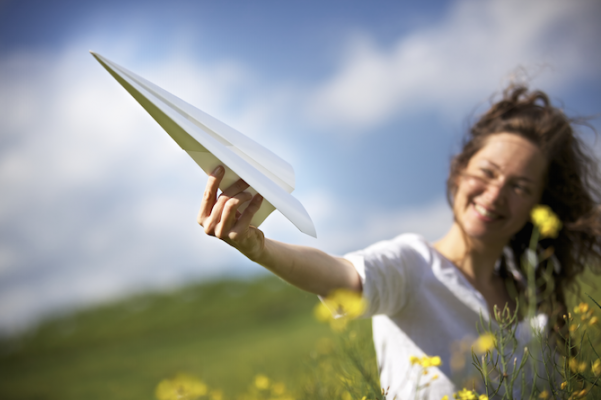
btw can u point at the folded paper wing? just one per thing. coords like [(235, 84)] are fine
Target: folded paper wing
[(210, 142)]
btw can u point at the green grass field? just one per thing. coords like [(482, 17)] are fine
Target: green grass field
[(222, 332)]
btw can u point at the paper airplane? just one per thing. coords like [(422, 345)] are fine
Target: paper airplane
[(210, 142)]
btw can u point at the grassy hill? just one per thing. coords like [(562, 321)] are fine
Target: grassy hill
[(224, 332)]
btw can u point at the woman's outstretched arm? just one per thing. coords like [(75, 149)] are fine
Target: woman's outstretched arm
[(305, 267)]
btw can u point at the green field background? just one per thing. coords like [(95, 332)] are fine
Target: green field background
[(224, 333)]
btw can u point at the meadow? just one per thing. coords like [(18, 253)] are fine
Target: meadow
[(225, 333)]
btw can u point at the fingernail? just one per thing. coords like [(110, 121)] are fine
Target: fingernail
[(218, 170)]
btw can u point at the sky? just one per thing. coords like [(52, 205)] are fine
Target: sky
[(368, 101)]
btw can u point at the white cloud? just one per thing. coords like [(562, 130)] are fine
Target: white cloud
[(446, 66), (97, 200)]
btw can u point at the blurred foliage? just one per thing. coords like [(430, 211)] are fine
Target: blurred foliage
[(225, 332)]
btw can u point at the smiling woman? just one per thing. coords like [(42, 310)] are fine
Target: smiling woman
[(522, 152)]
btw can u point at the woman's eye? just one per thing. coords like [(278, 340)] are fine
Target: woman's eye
[(521, 189), (487, 172)]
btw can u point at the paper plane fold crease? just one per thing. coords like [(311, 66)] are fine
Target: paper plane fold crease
[(210, 142)]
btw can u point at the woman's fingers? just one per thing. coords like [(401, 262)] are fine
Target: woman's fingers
[(216, 213), (230, 213), (220, 216), (210, 194), (247, 215)]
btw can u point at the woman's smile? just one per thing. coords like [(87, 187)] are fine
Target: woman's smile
[(485, 214)]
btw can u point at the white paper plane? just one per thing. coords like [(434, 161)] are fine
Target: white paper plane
[(210, 143)]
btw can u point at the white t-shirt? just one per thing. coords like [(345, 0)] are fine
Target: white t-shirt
[(421, 305)]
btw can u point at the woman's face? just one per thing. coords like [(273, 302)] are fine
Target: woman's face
[(498, 188)]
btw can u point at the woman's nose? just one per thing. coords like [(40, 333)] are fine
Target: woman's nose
[(494, 192)]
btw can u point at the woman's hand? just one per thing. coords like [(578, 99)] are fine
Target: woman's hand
[(305, 267), (219, 216)]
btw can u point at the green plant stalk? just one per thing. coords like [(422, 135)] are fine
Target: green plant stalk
[(531, 275)]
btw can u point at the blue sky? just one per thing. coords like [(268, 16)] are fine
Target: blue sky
[(367, 101)]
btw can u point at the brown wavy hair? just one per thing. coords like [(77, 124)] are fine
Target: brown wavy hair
[(572, 190)]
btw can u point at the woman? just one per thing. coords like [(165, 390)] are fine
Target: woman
[(425, 297)]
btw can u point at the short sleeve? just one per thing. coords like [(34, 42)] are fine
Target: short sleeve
[(390, 273)]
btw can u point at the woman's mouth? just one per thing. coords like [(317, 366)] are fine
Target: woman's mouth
[(484, 213)]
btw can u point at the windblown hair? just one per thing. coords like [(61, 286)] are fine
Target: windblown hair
[(572, 190)]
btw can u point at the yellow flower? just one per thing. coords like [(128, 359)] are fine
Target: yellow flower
[(546, 221), (340, 306), (593, 321), (465, 395), (581, 308), (261, 382), (435, 361), (485, 343), (346, 302), (563, 385), (426, 361), (575, 366), (483, 397), (322, 313), (181, 387), (445, 397), (596, 367), (278, 388), (543, 395)]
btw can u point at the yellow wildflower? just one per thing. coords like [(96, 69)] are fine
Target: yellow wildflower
[(544, 394), (483, 397), (278, 388), (426, 361), (181, 387), (445, 397), (346, 302), (546, 221), (575, 366), (261, 382), (322, 313), (485, 343), (340, 306), (563, 385), (593, 321), (596, 367), (430, 361), (581, 308), (465, 395)]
